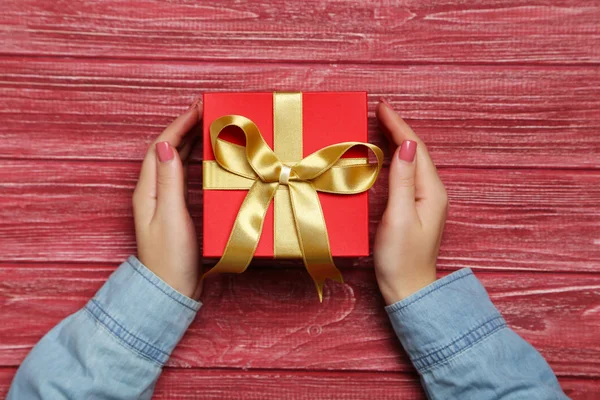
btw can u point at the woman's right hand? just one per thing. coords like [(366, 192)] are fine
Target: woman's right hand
[(409, 235)]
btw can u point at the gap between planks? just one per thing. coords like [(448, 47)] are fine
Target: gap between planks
[(262, 265), (457, 167), (226, 61)]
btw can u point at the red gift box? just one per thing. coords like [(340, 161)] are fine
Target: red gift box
[(327, 118)]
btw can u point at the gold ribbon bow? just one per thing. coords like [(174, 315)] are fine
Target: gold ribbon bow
[(255, 164)]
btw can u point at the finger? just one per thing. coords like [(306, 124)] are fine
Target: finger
[(427, 182), (184, 154), (145, 193), (170, 199), (186, 149), (185, 183), (175, 132), (401, 198)]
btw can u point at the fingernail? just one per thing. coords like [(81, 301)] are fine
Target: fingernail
[(384, 101), (195, 103), (407, 152), (164, 151)]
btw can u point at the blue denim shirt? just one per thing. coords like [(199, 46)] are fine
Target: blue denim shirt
[(117, 344)]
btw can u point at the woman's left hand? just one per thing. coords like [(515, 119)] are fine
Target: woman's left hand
[(165, 232)]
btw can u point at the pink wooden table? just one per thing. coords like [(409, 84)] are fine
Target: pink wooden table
[(505, 93)]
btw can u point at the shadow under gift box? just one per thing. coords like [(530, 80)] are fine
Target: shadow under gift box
[(327, 118)]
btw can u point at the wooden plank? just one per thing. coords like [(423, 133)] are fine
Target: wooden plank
[(449, 31), (470, 116), (217, 384), (259, 385), (503, 220), (271, 318), (177, 383)]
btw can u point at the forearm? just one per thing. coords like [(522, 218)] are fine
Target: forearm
[(462, 347), (114, 347)]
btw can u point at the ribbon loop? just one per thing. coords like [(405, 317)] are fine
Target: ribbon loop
[(324, 170), (259, 156), (350, 179)]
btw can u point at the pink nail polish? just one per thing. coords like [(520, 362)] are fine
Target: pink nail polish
[(164, 151), (407, 152)]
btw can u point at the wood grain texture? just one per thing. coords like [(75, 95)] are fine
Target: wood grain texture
[(270, 318), (501, 220), (407, 31), (298, 385), (260, 385), (307, 386), (470, 116), (506, 93)]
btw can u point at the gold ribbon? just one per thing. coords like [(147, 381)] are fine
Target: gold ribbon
[(260, 170)]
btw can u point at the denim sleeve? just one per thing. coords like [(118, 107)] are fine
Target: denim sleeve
[(463, 349), (114, 347)]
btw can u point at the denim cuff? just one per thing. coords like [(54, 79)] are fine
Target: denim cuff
[(444, 319), (143, 311)]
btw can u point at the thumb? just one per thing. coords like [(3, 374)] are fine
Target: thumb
[(169, 180), (401, 196)]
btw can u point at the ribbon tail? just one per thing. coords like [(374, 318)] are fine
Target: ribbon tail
[(246, 230), (320, 282), (312, 235)]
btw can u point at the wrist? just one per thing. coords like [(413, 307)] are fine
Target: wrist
[(395, 290), (184, 281)]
